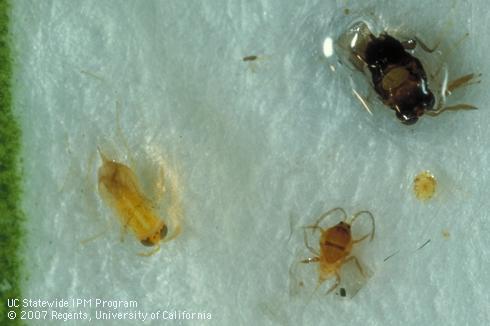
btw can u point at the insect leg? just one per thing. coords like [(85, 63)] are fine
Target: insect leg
[(363, 101), (151, 252), (337, 282), (359, 267), (305, 238), (310, 260), (456, 107), (409, 44), (324, 215), (372, 220), (94, 237), (412, 43), (462, 81)]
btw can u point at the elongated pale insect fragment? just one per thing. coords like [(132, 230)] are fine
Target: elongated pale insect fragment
[(119, 187)]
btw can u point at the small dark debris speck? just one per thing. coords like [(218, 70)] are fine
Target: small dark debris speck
[(342, 292), (250, 58)]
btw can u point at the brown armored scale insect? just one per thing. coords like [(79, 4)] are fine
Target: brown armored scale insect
[(398, 77), (335, 246)]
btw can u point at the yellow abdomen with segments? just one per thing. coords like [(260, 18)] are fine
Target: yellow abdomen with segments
[(119, 187)]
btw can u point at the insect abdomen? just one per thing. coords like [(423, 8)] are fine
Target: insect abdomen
[(118, 186)]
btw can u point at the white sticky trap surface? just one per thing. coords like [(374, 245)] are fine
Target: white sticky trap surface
[(261, 149)]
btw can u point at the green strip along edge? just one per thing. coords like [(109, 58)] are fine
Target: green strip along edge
[(11, 217)]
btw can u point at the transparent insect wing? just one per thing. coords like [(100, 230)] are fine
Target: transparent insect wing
[(353, 280), (351, 45)]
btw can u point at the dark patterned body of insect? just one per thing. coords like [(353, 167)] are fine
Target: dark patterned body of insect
[(398, 77)]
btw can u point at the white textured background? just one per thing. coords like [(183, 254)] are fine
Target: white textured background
[(261, 148)]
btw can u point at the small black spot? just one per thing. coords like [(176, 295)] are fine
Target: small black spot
[(250, 58), (342, 292)]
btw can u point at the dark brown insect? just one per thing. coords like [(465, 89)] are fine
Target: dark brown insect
[(398, 77)]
